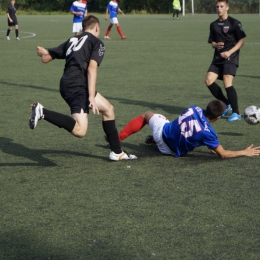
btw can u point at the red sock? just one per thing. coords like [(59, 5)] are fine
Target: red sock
[(119, 31), (108, 30), (132, 127)]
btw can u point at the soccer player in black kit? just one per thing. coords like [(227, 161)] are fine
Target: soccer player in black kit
[(83, 54), (227, 38), (12, 20)]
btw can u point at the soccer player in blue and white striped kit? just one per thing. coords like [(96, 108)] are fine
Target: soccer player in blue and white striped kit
[(190, 130), (112, 9), (79, 9)]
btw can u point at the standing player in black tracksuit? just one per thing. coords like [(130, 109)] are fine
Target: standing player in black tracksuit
[(12, 20), (227, 38), (83, 54)]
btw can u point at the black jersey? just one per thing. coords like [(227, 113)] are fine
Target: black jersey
[(229, 31), (11, 10), (78, 51)]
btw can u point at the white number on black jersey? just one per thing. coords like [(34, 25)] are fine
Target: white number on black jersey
[(76, 44)]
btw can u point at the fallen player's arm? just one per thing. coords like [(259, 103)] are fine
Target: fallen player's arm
[(249, 151)]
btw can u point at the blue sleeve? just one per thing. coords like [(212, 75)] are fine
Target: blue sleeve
[(72, 8)]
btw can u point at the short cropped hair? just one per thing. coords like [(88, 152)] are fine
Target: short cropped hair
[(226, 1), (214, 109), (89, 22)]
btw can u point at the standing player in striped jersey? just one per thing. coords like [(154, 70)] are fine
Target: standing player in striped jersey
[(190, 130), (112, 9), (79, 9)]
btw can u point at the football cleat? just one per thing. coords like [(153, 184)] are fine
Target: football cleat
[(226, 111), (121, 156), (234, 117), (123, 37), (17, 38), (37, 114), (7, 38), (107, 38), (149, 140)]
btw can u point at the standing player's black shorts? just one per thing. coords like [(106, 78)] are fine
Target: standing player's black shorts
[(76, 101), (15, 22), (223, 69)]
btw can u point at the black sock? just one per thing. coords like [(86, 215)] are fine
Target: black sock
[(59, 120), (232, 98), (112, 135), (16, 32), (216, 91), (7, 33)]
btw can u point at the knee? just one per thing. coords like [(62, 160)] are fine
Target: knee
[(208, 82), (110, 112), (79, 133)]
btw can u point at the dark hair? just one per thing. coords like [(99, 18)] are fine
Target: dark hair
[(226, 1), (89, 22), (214, 109)]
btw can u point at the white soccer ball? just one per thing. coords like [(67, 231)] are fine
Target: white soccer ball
[(252, 115)]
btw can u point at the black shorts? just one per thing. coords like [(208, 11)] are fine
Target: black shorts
[(223, 69), (15, 22), (76, 101)]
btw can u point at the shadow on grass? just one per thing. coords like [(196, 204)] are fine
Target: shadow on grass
[(142, 150), (248, 76), (23, 245), (151, 105), (28, 86), (9, 147), (230, 134)]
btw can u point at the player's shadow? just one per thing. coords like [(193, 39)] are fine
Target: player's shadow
[(230, 134), (37, 156), (248, 76), (171, 109), (28, 86)]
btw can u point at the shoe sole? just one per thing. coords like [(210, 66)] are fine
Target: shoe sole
[(32, 122)]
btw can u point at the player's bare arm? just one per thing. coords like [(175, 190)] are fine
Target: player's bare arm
[(249, 151), (8, 16), (76, 13), (44, 54), (106, 17), (121, 11), (92, 78), (238, 46)]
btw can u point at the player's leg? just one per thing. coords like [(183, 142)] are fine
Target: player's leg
[(135, 125), (119, 28), (108, 30), (8, 31), (214, 88), (76, 125), (232, 97), (173, 14), (17, 31), (177, 12), (60, 120), (109, 126)]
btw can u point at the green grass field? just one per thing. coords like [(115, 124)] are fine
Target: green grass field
[(62, 199)]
